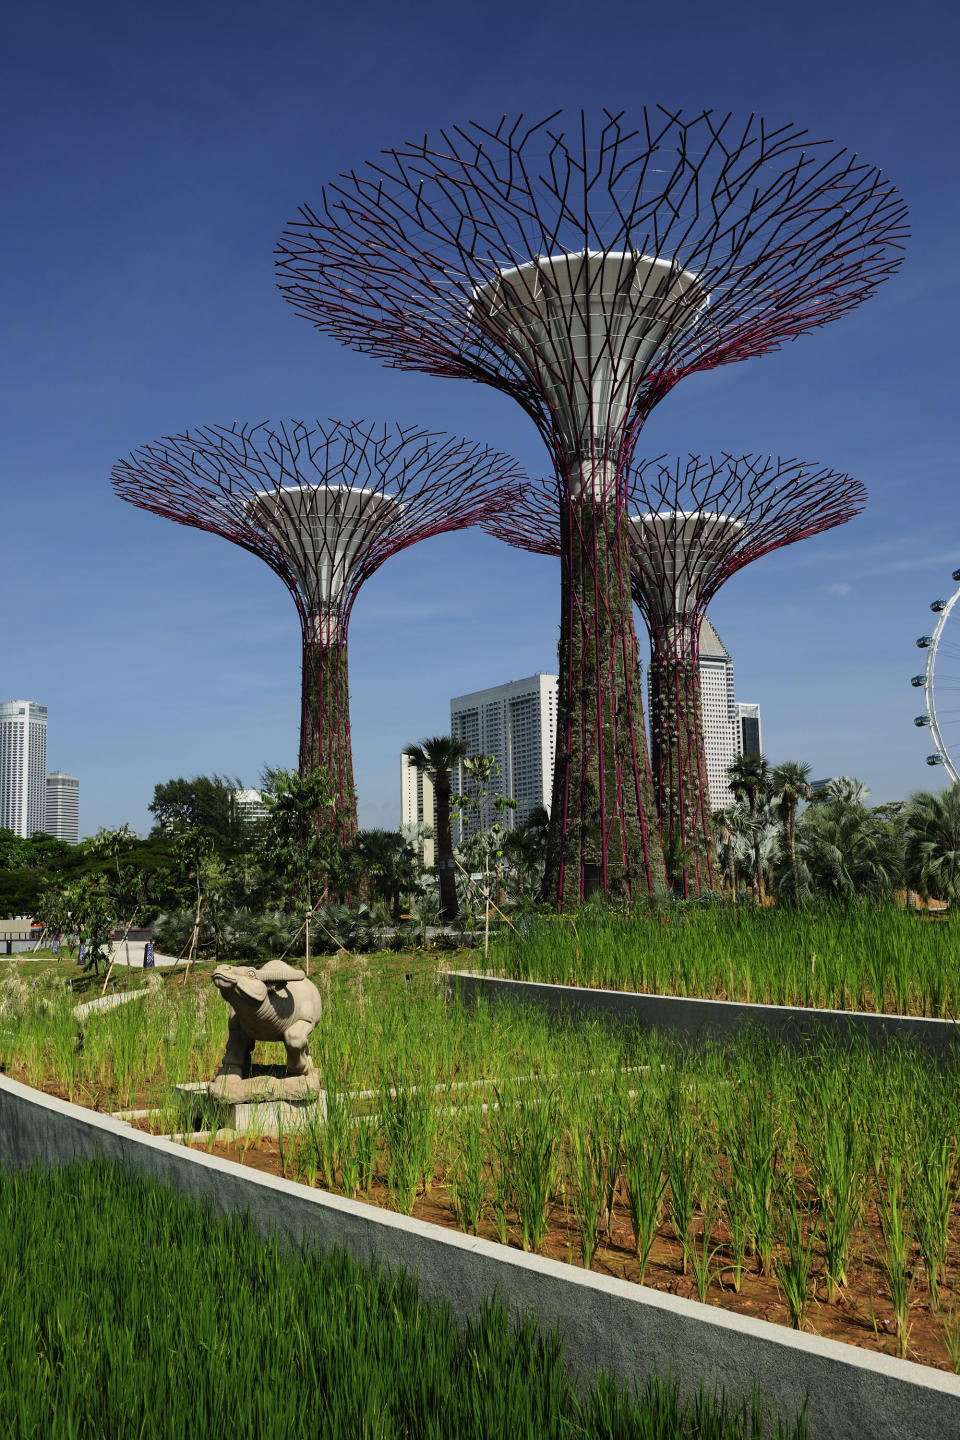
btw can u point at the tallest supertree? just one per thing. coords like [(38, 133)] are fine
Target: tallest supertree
[(585, 271)]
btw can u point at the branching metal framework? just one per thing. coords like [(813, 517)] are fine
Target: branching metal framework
[(324, 504), (693, 523), (585, 271)]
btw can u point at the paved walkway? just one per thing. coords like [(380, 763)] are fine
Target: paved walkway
[(132, 947)]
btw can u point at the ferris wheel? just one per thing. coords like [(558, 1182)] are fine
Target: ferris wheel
[(941, 686)]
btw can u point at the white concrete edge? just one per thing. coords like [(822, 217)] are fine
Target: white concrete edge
[(508, 1260), (107, 1002), (721, 1007)]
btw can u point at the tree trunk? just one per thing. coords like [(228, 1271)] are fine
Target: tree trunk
[(449, 908), (792, 846), (325, 729), (680, 762), (758, 865), (604, 834)]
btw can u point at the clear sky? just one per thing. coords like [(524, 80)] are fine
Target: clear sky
[(152, 155)]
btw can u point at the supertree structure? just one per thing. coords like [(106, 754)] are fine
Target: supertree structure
[(693, 522), (584, 272), (324, 504)]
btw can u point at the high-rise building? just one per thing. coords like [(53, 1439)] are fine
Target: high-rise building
[(250, 806), (748, 722), (418, 810), (517, 724), (729, 728), (23, 766), (63, 807)]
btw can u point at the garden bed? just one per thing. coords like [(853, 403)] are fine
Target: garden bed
[(777, 1173), (627, 1330), (867, 957), (340, 1349)]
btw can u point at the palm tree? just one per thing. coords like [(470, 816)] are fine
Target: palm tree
[(749, 781), (436, 756), (790, 783), (526, 846), (388, 863), (932, 825), (730, 826), (848, 851), (843, 787)]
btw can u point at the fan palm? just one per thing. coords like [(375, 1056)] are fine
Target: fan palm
[(932, 825), (526, 846), (847, 850), (388, 862), (749, 781), (436, 756)]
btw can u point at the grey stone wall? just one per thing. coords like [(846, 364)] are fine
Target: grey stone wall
[(707, 1019)]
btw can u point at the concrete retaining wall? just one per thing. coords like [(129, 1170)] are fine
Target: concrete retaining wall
[(703, 1019), (625, 1329)]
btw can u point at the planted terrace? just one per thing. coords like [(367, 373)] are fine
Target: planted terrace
[(816, 1189), (865, 956)]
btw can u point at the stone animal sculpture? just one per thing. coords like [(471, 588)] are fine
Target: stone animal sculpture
[(276, 1002)]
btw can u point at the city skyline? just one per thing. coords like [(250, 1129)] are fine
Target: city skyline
[(33, 799), (151, 183)]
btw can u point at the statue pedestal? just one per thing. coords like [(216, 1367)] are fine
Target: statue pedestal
[(258, 1111), (268, 1082)]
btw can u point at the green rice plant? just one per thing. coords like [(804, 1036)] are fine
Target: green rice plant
[(350, 1160), (365, 1133), (500, 1187), (896, 1241), (736, 1201), (408, 1123), (335, 1134), (794, 1263), (468, 1179), (308, 1151), (753, 1154), (950, 1320), (851, 956), (703, 1254), (837, 1156), (533, 1161), (932, 1190), (682, 1161), (92, 1327), (644, 1162)]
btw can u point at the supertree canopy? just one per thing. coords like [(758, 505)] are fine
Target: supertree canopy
[(585, 271), (693, 523), (324, 504)]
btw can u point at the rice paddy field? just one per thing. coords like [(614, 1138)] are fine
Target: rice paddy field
[(815, 1188), (127, 1310), (865, 956)]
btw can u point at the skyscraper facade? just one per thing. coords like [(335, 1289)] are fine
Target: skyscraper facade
[(63, 807), (418, 810), (517, 724), (730, 729), (23, 766)]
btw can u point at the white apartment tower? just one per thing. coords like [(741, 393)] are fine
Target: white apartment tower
[(418, 809), (729, 729), (63, 807), (517, 724), (23, 766)]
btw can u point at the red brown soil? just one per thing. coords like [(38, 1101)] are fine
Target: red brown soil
[(861, 1314)]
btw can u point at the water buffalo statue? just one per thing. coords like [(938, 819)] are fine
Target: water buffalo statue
[(276, 1002)]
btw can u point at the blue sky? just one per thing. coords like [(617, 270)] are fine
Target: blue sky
[(153, 155)]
